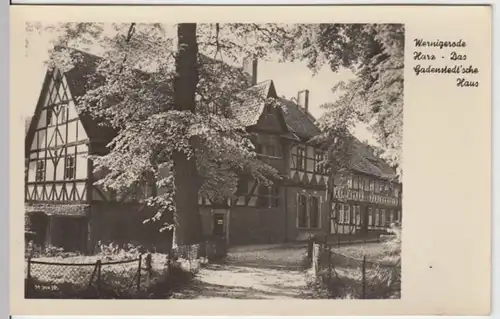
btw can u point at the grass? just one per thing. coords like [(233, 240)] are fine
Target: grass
[(383, 273), (372, 251), (278, 255)]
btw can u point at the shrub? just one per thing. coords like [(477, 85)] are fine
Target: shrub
[(36, 251), (112, 251), (385, 276)]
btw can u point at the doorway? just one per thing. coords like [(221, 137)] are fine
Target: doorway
[(219, 228)]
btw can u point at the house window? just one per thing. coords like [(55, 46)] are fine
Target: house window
[(372, 186), (49, 115), (319, 167), (367, 184), (355, 182), (308, 212), (347, 214), (314, 212), (61, 118), (377, 217), (301, 158), (370, 216), (383, 218), (269, 150), (391, 217), (349, 182), (69, 167), (358, 215), (302, 211), (341, 214), (40, 171)]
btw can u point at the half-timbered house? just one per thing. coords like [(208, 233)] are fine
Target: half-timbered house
[(368, 199), (63, 206), (298, 206), (66, 209)]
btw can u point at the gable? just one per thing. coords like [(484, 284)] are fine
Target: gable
[(269, 117), (65, 88), (56, 108), (271, 120)]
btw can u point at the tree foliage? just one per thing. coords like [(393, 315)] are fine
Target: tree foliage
[(134, 90), (375, 53)]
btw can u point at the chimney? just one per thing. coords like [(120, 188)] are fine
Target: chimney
[(303, 99), (250, 69)]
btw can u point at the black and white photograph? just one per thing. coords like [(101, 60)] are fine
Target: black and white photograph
[(213, 160)]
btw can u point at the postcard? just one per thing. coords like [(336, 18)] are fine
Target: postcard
[(250, 160)]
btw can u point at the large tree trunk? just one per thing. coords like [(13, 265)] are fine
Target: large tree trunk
[(188, 228)]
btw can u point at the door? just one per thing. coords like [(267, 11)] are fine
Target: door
[(219, 229)]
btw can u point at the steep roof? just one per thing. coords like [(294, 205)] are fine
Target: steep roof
[(249, 104), (27, 122), (303, 124), (364, 161), (299, 120), (79, 81)]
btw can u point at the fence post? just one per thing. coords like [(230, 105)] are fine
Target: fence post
[(139, 267), (363, 278), (315, 258), (309, 251), (28, 277), (338, 240), (98, 282), (149, 267), (329, 265)]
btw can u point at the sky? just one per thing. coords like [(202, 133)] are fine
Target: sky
[(289, 78)]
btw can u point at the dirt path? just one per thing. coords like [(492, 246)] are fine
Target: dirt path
[(240, 282), (253, 272)]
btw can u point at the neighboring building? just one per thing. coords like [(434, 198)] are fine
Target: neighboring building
[(369, 199), (65, 208)]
